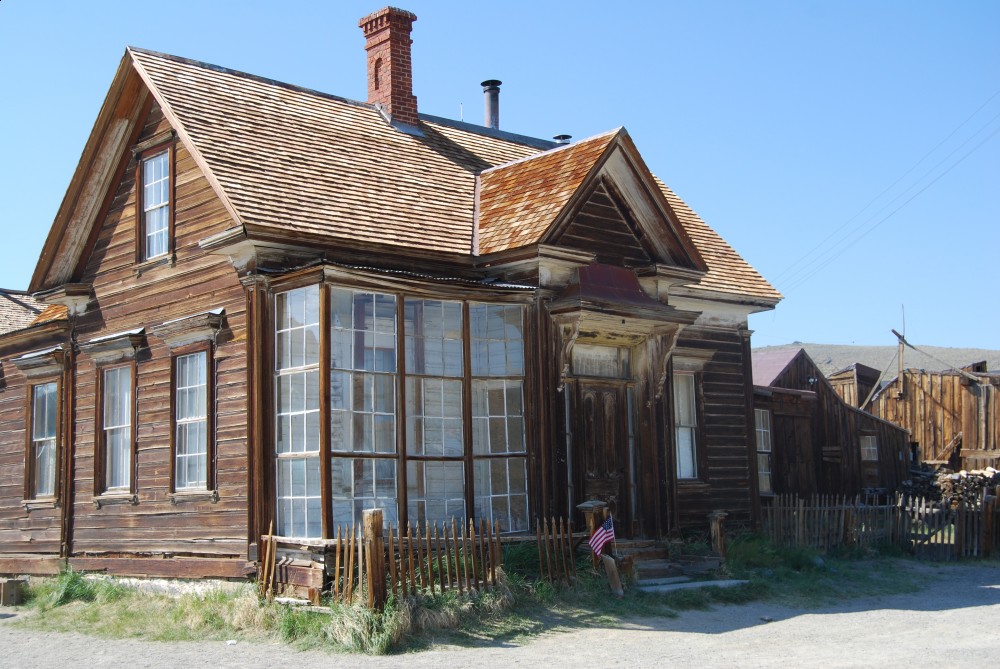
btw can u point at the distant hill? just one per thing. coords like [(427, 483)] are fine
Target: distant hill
[(835, 357)]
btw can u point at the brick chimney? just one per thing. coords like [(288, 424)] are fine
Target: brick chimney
[(390, 71)]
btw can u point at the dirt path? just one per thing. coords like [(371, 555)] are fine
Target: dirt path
[(951, 622)]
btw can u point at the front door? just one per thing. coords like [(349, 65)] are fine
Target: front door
[(602, 448)]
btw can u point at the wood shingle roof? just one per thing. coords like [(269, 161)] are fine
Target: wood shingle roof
[(299, 166), (17, 310)]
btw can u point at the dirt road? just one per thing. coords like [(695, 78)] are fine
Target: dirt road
[(953, 622)]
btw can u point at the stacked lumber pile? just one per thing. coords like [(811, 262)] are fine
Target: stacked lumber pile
[(955, 487)]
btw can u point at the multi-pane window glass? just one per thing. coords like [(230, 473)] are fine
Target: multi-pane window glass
[(433, 337), (297, 404), (500, 477), (496, 341), (869, 448), (44, 414), (434, 425), (156, 203), (117, 426), (363, 349), (762, 418), (435, 490), (363, 483), (685, 426), (191, 421), (367, 392)]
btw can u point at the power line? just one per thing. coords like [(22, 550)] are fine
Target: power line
[(816, 269), (803, 262)]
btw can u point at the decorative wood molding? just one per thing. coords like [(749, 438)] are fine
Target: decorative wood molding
[(666, 345), (74, 296), (182, 496), (688, 359), (115, 347), (46, 362), (112, 499), (33, 504), (190, 329), (568, 333)]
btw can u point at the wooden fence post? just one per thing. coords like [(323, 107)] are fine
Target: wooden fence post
[(989, 522), (717, 521), (375, 550)]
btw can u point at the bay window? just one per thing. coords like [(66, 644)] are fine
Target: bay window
[(425, 408)]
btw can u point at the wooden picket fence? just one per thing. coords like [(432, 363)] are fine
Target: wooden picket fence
[(555, 550), (370, 560), (929, 529)]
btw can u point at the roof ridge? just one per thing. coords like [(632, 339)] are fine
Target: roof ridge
[(496, 133), (247, 75), (9, 294), (528, 140), (561, 147)]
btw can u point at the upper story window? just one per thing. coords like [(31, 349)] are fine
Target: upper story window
[(156, 205), (42, 447)]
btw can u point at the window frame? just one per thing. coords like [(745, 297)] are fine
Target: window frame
[(141, 157), (696, 428), (30, 481), (866, 450), (402, 458), (101, 488), (769, 452), (210, 479)]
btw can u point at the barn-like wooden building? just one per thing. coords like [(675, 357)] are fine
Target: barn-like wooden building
[(268, 305), (811, 441)]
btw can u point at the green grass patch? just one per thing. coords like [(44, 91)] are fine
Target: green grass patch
[(522, 606)]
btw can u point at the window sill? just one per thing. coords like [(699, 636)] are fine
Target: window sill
[(181, 496), (692, 484), (167, 259), (43, 503), (112, 499)]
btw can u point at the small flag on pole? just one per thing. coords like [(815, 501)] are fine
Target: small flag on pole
[(602, 535)]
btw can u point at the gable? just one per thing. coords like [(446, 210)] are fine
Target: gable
[(604, 227), (595, 195)]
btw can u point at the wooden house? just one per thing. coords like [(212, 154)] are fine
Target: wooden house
[(811, 441), (275, 308), (855, 384), (952, 417)]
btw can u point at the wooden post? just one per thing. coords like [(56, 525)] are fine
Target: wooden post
[(375, 548), (989, 521), (717, 520)]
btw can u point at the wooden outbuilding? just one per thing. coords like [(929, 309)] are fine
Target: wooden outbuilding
[(855, 384), (276, 308), (952, 417), (812, 441)]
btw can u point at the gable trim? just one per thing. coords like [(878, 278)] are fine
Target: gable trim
[(186, 139)]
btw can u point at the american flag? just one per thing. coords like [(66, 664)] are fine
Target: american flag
[(602, 535)]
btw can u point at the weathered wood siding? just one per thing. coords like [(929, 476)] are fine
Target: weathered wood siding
[(835, 442), (194, 284), (937, 408), (34, 532), (725, 480)]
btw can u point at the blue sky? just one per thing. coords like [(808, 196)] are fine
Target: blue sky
[(848, 150)]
